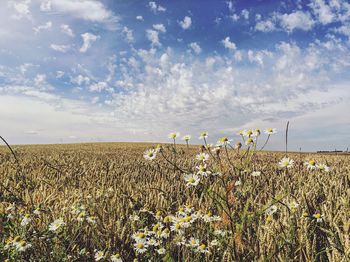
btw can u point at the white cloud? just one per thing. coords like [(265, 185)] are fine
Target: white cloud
[(258, 56), (40, 79), (80, 80), (153, 36), (59, 74), (45, 6), (155, 7), (234, 17), (46, 26), (90, 10), (265, 26), (297, 20), (98, 87), (196, 47), (60, 48), (160, 28), (67, 30), (322, 11), (88, 39), (128, 35), (228, 44), (139, 17), (21, 8), (344, 30), (186, 23), (245, 14)]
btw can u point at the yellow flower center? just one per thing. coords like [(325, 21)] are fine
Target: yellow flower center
[(16, 239), (223, 139), (155, 228), (202, 246), (312, 162), (188, 218), (167, 219), (191, 180), (317, 215), (140, 245)]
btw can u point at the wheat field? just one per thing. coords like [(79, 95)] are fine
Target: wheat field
[(114, 202)]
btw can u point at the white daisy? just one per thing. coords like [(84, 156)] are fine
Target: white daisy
[(152, 242), (311, 164), (271, 210), (161, 251), (99, 255), (323, 167), (319, 217), (150, 154), (91, 220), (202, 157), (26, 220), (139, 237), (293, 205), (255, 173), (249, 141), (202, 249), (56, 225), (203, 135), (223, 141), (256, 132), (286, 163), (202, 170), (193, 242), (116, 258), (140, 247), (22, 246), (174, 135), (191, 179), (247, 133), (270, 131), (186, 138)]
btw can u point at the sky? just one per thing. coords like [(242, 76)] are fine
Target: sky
[(92, 71)]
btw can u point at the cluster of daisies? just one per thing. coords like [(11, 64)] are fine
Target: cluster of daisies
[(311, 164), (177, 228), (293, 206), (27, 220), (249, 138), (81, 215), (201, 171), (101, 255)]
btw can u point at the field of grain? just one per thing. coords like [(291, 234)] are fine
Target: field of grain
[(107, 202)]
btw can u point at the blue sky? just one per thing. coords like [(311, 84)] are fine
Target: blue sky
[(89, 70)]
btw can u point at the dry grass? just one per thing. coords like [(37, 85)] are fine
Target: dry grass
[(113, 181)]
